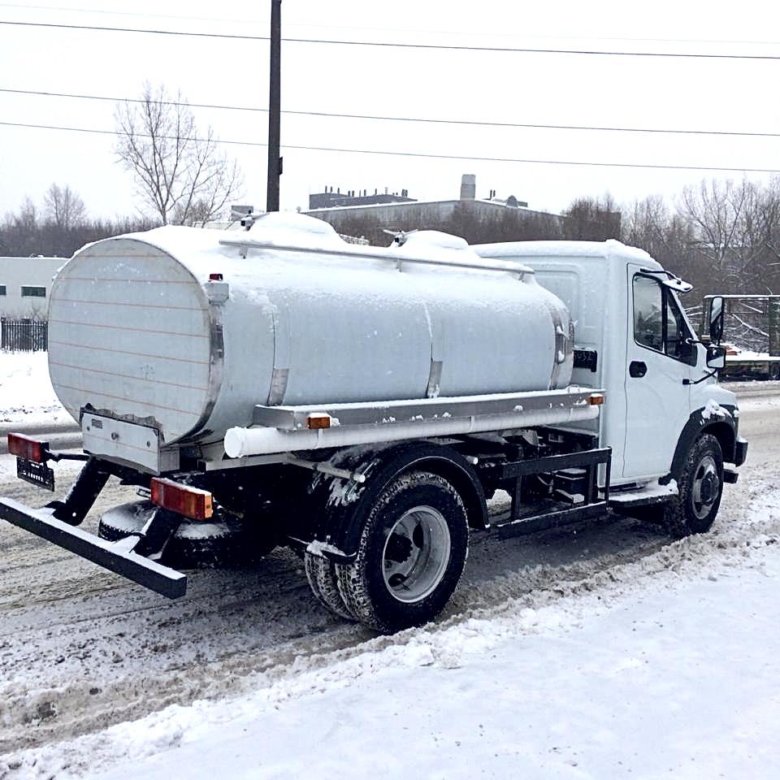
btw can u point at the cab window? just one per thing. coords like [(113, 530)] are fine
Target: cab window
[(659, 323), (648, 313)]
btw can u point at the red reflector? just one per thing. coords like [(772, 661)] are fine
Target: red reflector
[(596, 399), (191, 502), (318, 420), (27, 448), (215, 277)]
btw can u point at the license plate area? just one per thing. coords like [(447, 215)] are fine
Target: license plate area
[(35, 473), (127, 443)]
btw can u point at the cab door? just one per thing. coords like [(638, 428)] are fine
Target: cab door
[(660, 359)]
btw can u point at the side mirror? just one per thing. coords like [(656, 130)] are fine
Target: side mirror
[(716, 356), (717, 315)]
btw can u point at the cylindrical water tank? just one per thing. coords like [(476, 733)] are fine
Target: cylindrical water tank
[(186, 330)]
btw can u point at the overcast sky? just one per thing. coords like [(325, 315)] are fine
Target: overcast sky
[(648, 92)]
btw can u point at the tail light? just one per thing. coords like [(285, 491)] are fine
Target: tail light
[(27, 448), (189, 501)]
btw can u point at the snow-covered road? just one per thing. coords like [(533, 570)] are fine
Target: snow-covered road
[(81, 649)]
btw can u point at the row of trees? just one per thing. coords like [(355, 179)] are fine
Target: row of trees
[(59, 227), (723, 237)]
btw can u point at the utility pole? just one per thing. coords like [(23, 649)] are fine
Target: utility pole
[(274, 109)]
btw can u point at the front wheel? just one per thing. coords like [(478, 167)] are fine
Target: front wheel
[(411, 554), (700, 489)]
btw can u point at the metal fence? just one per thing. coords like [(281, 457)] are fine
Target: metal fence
[(24, 335)]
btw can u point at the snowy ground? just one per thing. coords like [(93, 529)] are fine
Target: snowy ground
[(649, 675), (26, 394), (605, 653)]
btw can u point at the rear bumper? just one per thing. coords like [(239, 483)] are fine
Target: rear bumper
[(117, 557)]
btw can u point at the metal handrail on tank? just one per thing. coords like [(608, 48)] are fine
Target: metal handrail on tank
[(380, 254)]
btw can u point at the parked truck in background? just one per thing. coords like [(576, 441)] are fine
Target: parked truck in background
[(282, 387)]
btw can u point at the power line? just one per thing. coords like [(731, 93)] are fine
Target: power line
[(106, 12), (422, 120), (425, 155), (116, 99), (399, 45), (385, 28), (149, 31)]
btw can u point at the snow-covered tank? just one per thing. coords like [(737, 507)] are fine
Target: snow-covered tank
[(186, 330)]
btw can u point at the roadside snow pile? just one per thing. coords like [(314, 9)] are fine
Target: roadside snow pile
[(565, 691), (26, 393)]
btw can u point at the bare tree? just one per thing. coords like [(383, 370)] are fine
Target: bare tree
[(20, 230), (737, 228), (592, 219), (180, 173), (63, 207), (717, 212)]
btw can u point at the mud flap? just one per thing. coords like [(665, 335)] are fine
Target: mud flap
[(118, 557)]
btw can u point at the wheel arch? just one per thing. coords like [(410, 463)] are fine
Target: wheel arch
[(723, 428), (340, 524)]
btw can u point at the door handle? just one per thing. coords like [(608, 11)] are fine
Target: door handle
[(637, 369)]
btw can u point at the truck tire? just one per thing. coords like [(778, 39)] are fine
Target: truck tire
[(412, 549), (700, 489), (321, 574)]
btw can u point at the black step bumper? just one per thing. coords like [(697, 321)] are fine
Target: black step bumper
[(117, 557)]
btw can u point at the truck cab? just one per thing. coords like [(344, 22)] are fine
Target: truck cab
[(633, 338)]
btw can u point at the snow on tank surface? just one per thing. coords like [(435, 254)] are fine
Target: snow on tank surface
[(531, 249), (138, 332)]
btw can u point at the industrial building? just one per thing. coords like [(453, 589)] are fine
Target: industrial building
[(395, 211), (330, 199)]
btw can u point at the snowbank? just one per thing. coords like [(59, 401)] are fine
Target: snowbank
[(26, 394), (662, 683)]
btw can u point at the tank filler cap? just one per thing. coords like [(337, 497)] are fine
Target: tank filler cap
[(434, 239), (435, 244)]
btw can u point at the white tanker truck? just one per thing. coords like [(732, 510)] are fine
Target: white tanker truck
[(283, 387)]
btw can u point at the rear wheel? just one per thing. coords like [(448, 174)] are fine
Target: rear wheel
[(411, 554), (321, 574), (701, 489)]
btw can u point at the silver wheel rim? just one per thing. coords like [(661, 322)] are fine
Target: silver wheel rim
[(706, 487), (416, 554)]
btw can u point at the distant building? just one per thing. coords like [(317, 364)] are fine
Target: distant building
[(330, 199), (400, 212), (25, 283)]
